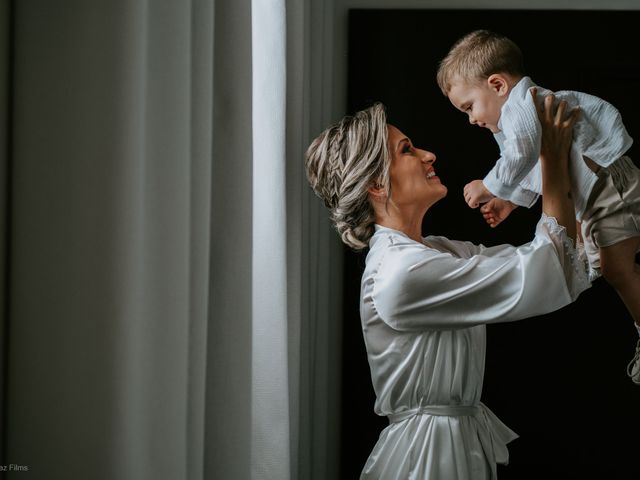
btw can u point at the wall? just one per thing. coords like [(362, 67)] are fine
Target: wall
[(498, 394)]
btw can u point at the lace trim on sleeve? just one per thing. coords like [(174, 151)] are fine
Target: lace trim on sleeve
[(572, 257)]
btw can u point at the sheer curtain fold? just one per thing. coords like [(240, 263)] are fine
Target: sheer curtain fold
[(270, 456), (107, 309), (229, 357), (5, 134), (201, 121), (158, 319)]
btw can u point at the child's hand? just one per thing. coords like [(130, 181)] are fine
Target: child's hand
[(496, 210), (476, 193)]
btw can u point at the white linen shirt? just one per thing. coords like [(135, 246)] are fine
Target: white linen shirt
[(423, 309), (599, 134)]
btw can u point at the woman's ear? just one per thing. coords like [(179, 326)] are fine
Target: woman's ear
[(498, 83), (377, 191)]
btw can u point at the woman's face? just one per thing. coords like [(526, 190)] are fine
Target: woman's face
[(413, 178)]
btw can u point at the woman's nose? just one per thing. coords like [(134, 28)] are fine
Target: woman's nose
[(428, 157)]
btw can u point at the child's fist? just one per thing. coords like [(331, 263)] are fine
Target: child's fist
[(496, 210), (476, 193)]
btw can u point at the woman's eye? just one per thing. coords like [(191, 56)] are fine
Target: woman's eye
[(406, 149)]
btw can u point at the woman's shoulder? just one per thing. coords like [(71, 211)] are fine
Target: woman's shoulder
[(458, 248), (396, 243), (393, 250)]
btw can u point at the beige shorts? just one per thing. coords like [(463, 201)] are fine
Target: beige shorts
[(612, 213)]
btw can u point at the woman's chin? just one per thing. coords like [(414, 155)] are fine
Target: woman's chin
[(441, 194)]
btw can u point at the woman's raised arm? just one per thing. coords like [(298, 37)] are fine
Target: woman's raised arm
[(557, 133)]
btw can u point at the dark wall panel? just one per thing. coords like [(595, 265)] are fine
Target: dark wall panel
[(558, 380)]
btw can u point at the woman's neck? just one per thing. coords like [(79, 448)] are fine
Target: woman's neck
[(412, 227)]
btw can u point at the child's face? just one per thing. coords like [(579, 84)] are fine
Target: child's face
[(481, 101)]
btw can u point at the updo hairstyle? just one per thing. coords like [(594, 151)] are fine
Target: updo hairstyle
[(342, 163)]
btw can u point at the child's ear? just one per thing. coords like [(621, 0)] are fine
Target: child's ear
[(498, 83)]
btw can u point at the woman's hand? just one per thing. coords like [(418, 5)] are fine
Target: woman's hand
[(557, 133), (557, 127)]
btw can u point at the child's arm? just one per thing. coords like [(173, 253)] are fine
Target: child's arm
[(519, 142), (475, 193), (496, 210)]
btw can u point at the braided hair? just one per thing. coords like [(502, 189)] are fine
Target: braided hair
[(342, 163)]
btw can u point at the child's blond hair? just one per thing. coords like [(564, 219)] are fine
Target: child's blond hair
[(478, 55)]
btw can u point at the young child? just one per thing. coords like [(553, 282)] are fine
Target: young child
[(483, 76)]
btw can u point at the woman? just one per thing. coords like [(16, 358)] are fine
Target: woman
[(425, 300)]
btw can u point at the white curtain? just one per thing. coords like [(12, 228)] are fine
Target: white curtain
[(167, 311), (5, 39)]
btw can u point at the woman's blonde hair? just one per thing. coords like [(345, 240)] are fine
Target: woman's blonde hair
[(478, 55), (342, 163)]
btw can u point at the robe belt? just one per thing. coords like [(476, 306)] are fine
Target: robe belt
[(438, 410), (493, 434)]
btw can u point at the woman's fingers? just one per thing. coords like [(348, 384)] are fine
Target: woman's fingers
[(572, 118), (538, 105), (555, 116), (548, 108), (545, 109), (562, 106)]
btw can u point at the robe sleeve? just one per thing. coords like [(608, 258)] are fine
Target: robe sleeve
[(418, 287)]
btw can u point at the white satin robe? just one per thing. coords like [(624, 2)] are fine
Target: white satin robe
[(424, 307)]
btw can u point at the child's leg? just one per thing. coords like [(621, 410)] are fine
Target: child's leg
[(619, 268), (621, 271)]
